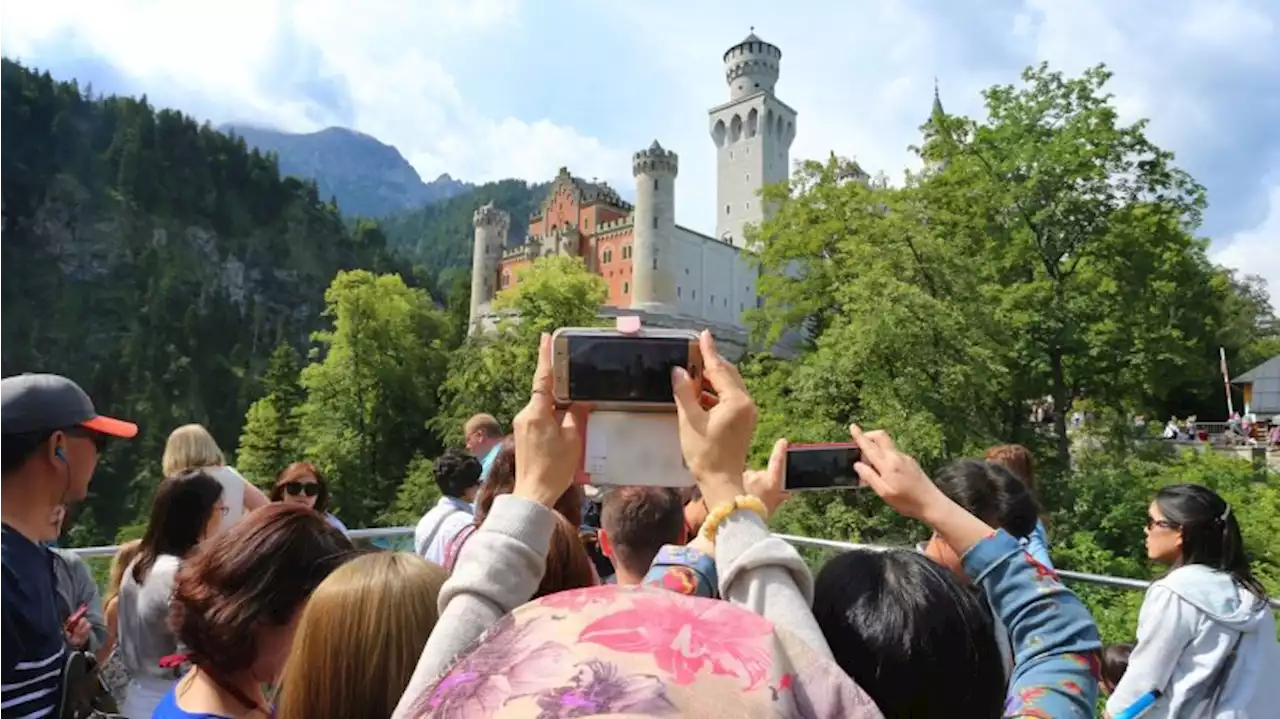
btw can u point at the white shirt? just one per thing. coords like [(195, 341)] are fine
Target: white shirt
[(232, 494), (439, 526)]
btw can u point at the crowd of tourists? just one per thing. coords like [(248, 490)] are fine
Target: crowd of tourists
[(528, 594)]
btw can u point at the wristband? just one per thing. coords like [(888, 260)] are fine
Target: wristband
[(722, 512), (683, 570)]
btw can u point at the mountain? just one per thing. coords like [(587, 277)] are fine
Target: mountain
[(157, 262), (368, 178)]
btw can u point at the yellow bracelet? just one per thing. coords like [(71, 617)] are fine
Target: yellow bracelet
[(717, 516)]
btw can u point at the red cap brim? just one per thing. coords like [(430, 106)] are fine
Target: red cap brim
[(111, 427)]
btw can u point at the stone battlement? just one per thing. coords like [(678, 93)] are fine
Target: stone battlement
[(655, 159)]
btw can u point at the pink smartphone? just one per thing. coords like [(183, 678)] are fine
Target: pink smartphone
[(76, 616)]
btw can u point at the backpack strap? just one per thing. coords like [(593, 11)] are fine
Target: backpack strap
[(455, 547)]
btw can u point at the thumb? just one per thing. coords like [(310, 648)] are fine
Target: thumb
[(688, 396), (778, 460)]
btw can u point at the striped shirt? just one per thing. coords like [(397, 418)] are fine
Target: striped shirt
[(34, 646)]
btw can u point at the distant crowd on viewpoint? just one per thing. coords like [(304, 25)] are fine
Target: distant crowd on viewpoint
[(530, 595)]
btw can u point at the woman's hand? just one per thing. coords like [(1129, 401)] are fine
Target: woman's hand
[(767, 484), (900, 482), (715, 441), (548, 448)]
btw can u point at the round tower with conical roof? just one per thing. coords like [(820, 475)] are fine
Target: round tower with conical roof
[(751, 66), (491, 225), (654, 226)]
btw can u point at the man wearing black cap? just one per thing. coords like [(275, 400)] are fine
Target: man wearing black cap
[(52, 438)]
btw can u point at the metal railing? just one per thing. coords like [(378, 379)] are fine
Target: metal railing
[(398, 532)]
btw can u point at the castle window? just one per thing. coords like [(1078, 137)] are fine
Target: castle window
[(713, 300), (748, 205), (655, 183), (608, 256), (741, 308), (695, 294), (655, 262), (724, 302), (506, 278), (626, 288), (731, 154), (678, 294), (748, 178), (626, 252), (655, 222), (726, 209)]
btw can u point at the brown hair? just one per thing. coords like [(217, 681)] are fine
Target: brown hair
[(638, 521), (297, 471), (568, 564), (1115, 662), (123, 557), (360, 636), (1016, 459), (259, 574), (502, 480)]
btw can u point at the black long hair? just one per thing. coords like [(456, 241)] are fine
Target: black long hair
[(1210, 532), (179, 513), (920, 643), (991, 492)]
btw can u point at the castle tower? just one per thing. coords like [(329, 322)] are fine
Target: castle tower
[(491, 236), (752, 133), (654, 225)]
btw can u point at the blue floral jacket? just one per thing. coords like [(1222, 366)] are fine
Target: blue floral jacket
[(1055, 641)]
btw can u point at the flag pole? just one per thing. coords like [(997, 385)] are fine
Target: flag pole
[(1226, 381)]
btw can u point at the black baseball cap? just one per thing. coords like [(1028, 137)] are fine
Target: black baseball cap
[(31, 403)]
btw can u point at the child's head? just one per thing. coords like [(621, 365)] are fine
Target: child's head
[(1115, 660)]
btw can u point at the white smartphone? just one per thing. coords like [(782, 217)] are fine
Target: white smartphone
[(635, 448)]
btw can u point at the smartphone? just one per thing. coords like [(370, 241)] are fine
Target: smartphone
[(77, 615), (821, 466), (635, 449), (622, 372)]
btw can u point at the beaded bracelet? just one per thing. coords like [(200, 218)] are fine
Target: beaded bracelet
[(722, 512)]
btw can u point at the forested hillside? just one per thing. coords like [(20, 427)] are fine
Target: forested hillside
[(159, 263), (439, 236), (368, 177)]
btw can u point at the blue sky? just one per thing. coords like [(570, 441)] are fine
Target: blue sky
[(486, 89)]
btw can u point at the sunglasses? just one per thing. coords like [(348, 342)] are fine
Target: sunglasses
[(310, 489), (1153, 522)]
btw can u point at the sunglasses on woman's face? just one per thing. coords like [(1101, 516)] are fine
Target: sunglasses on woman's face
[(310, 489), (1153, 522)]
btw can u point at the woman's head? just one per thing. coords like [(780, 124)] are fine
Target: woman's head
[(1191, 524), (360, 636), (1016, 459), (568, 564), (236, 602), (1115, 662), (502, 480), (187, 508), (124, 556), (910, 634), (190, 447), (989, 492), (301, 483)]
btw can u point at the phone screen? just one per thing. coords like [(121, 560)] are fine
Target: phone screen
[(624, 369), (822, 467)]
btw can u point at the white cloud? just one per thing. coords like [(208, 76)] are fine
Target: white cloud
[(1257, 251)]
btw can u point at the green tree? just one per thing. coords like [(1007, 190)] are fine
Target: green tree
[(416, 495), (270, 440), (491, 372), (368, 397)]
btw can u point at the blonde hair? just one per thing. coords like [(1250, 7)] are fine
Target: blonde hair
[(190, 447), (360, 637), (123, 558)]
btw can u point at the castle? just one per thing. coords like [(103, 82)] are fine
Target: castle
[(668, 274)]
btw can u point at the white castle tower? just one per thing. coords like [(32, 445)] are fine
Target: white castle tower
[(753, 134), (654, 228), (491, 226)]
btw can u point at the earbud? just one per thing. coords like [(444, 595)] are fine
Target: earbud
[(60, 454)]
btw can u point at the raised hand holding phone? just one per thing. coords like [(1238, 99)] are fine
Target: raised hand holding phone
[(548, 447)]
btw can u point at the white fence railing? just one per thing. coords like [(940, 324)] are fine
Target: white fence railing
[(384, 533)]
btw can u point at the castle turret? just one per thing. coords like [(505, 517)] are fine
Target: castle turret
[(752, 133), (654, 226), (491, 236)]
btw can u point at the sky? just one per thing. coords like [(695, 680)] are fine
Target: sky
[(490, 89)]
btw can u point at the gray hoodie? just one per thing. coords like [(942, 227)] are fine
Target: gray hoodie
[(1189, 622)]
